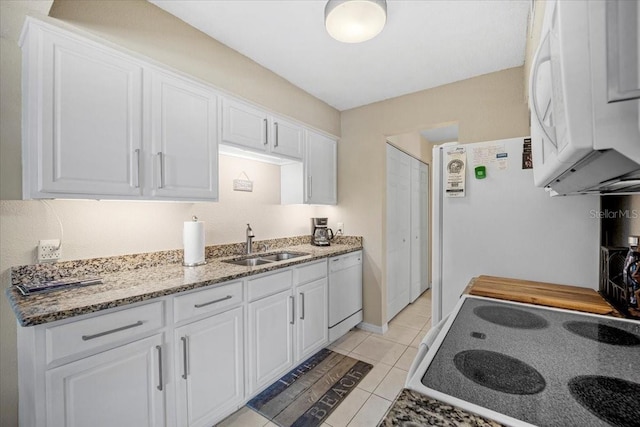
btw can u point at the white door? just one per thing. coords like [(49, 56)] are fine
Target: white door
[(120, 387), (209, 368), (270, 340), (184, 144), (398, 230), (244, 125), (321, 170), (312, 317), (287, 139), (90, 109), (419, 227)]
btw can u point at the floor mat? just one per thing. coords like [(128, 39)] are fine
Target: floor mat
[(307, 394)]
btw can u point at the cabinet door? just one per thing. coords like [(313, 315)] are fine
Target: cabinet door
[(84, 112), (270, 338), (312, 317), (321, 170), (120, 387), (244, 125), (209, 368), (184, 145), (287, 139)]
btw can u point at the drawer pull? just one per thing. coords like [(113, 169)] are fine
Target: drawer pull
[(185, 357), (160, 382), (204, 304), (302, 305), (112, 331)]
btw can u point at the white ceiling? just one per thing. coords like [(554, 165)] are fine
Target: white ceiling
[(426, 43)]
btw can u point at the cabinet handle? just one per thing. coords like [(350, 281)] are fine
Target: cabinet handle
[(160, 384), (111, 331), (185, 357), (302, 305), (276, 141), (161, 157), (266, 132), (204, 304), (310, 186), (293, 310), (137, 174)]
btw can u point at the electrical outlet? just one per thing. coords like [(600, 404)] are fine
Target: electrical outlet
[(49, 250), (340, 229)]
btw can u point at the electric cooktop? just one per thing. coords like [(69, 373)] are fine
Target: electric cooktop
[(537, 365)]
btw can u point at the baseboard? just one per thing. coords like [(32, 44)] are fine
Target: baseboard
[(380, 330)]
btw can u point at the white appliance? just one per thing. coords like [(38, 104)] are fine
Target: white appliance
[(509, 362), (345, 293), (505, 226), (585, 98)]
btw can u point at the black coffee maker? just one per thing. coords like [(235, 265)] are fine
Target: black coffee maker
[(321, 235)]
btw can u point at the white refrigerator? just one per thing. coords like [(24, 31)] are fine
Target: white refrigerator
[(505, 226)]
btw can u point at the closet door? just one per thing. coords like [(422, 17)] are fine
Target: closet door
[(398, 230), (419, 228)]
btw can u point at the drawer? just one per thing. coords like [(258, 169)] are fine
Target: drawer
[(106, 330), (310, 272), (269, 284), (207, 301)]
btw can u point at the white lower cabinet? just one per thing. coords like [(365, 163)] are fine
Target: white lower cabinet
[(312, 322), (270, 338), (184, 360), (119, 387), (209, 367)]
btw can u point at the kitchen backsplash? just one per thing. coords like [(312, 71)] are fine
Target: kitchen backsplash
[(97, 266)]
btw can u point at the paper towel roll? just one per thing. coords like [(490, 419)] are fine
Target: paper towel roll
[(193, 242)]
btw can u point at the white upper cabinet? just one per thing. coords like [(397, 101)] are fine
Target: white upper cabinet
[(83, 118), (102, 124), (252, 128), (244, 125), (287, 138), (320, 169), (184, 148)]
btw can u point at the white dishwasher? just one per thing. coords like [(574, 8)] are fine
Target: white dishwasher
[(345, 293)]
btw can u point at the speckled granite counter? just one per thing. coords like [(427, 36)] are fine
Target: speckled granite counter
[(133, 278), (412, 409)]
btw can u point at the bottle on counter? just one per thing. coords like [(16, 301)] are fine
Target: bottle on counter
[(631, 273)]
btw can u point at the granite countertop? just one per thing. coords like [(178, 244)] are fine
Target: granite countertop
[(412, 409), (133, 283)]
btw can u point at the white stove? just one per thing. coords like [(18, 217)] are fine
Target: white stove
[(526, 365)]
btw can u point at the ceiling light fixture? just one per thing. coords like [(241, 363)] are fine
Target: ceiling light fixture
[(355, 21)]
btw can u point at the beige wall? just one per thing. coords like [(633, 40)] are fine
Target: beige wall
[(486, 108), (101, 228)]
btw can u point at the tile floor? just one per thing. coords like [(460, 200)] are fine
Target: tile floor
[(390, 354)]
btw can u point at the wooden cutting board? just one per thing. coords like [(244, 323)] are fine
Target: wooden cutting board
[(549, 294)]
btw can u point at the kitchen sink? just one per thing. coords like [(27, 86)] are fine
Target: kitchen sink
[(248, 262), (283, 256), (253, 260)]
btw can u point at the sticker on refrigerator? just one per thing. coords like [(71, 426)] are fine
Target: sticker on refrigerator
[(493, 156), (456, 161)]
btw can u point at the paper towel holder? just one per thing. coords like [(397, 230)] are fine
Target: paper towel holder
[(195, 264)]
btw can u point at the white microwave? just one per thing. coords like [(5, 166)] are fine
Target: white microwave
[(585, 98)]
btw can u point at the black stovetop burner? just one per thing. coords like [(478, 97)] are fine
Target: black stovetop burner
[(510, 317), (613, 400), (603, 333), (499, 372)]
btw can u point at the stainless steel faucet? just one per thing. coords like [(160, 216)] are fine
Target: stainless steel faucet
[(250, 237)]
